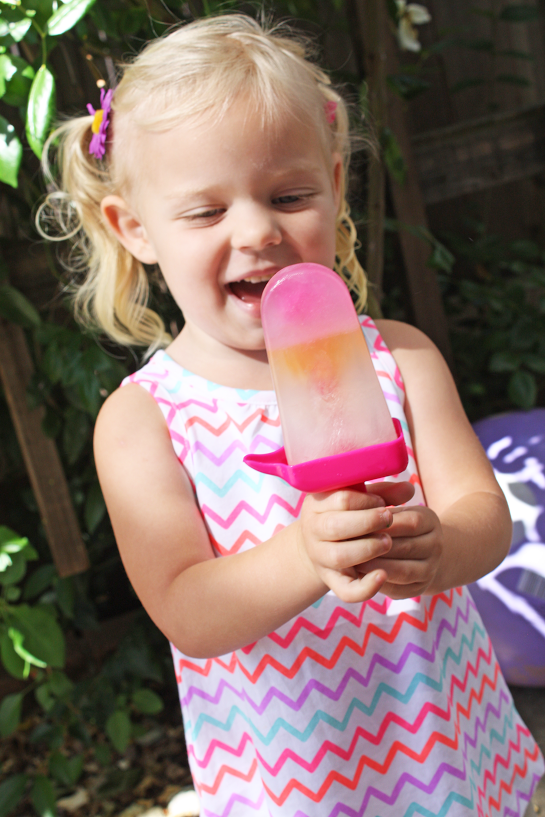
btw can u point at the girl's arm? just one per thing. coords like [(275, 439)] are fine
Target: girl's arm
[(209, 606), (466, 530)]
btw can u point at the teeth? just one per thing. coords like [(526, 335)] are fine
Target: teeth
[(257, 279)]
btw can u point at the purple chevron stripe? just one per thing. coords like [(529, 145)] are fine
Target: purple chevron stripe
[(405, 778), (235, 445), (524, 797), (480, 724), (391, 397), (233, 801), (377, 660)]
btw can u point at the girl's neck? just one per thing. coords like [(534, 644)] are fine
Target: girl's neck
[(237, 368)]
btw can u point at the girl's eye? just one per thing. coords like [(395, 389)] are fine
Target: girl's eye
[(289, 199), (204, 214)]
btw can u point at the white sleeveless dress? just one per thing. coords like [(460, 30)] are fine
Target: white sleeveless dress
[(384, 708)]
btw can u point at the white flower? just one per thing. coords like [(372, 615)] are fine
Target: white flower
[(409, 16)]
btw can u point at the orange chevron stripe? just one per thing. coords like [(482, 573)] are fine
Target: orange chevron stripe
[(217, 432), (221, 774), (517, 772), (245, 536), (307, 652)]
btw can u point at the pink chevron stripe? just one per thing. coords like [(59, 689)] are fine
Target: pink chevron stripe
[(244, 506), (245, 536), (234, 801)]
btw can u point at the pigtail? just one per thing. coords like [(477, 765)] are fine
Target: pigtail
[(109, 287)]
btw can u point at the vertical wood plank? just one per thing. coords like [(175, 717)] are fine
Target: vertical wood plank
[(373, 23), (40, 455), (410, 210)]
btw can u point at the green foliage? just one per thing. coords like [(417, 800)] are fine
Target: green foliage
[(495, 300), (110, 704)]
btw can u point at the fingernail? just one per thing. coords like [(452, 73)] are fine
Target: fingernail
[(385, 539), (387, 518)]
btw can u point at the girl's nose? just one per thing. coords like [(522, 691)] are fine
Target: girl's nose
[(255, 228)]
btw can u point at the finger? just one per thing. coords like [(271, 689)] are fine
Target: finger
[(350, 589), (417, 549), (345, 555), (347, 499), (336, 526), (393, 493), (412, 522), (402, 572)]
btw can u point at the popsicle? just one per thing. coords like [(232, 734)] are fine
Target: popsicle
[(334, 415)]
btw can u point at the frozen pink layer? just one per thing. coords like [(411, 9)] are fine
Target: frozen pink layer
[(304, 302), (328, 393)]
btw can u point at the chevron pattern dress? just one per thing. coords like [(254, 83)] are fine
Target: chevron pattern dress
[(383, 709)]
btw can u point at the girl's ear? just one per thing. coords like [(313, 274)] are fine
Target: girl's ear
[(338, 171), (128, 228)]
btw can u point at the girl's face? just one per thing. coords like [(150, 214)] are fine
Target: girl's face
[(221, 208)]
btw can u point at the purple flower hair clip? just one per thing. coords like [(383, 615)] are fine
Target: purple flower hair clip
[(330, 109), (97, 146)]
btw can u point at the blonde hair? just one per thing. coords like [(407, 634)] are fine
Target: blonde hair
[(200, 68)]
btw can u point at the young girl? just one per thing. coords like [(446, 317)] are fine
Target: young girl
[(329, 660)]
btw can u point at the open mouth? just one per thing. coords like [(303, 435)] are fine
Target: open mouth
[(250, 290)]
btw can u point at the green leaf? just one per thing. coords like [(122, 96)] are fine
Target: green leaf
[(19, 83), (41, 109), (7, 70), (66, 596), (14, 664), (10, 713), (18, 638), (60, 684), (103, 754), (14, 572), (535, 362), (517, 55), (11, 791), (513, 79), (66, 770), (408, 86), (43, 796), (147, 702), (95, 507), (519, 13), (441, 258), (15, 29), (44, 697), (43, 636), (14, 306), (118, 781), (118, 729), (504, 362), (75, 434), (393, 158), (67, 16), (40, 580), (523, 389), (11, 153)]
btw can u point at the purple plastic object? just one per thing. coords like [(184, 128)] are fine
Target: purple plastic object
[(338, 471), (511, 599)]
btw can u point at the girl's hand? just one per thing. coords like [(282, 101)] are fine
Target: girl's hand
[(414, 560), (339, 531)]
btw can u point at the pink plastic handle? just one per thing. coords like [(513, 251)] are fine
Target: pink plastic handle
[(339, 471)]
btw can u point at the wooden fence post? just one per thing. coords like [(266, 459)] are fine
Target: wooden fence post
[(40, 455)]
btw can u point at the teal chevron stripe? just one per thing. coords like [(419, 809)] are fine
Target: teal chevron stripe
[(454, 797), (255, 485), (382, 688), (494, 735), (319, 716)]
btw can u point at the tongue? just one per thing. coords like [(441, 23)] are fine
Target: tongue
[(251, 293)]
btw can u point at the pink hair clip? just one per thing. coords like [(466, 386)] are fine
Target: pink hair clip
[(330, 108), (99, 127)]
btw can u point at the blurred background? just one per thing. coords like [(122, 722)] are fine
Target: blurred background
[(449, 206)]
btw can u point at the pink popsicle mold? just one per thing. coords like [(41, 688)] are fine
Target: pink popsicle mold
[(338, 471)]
